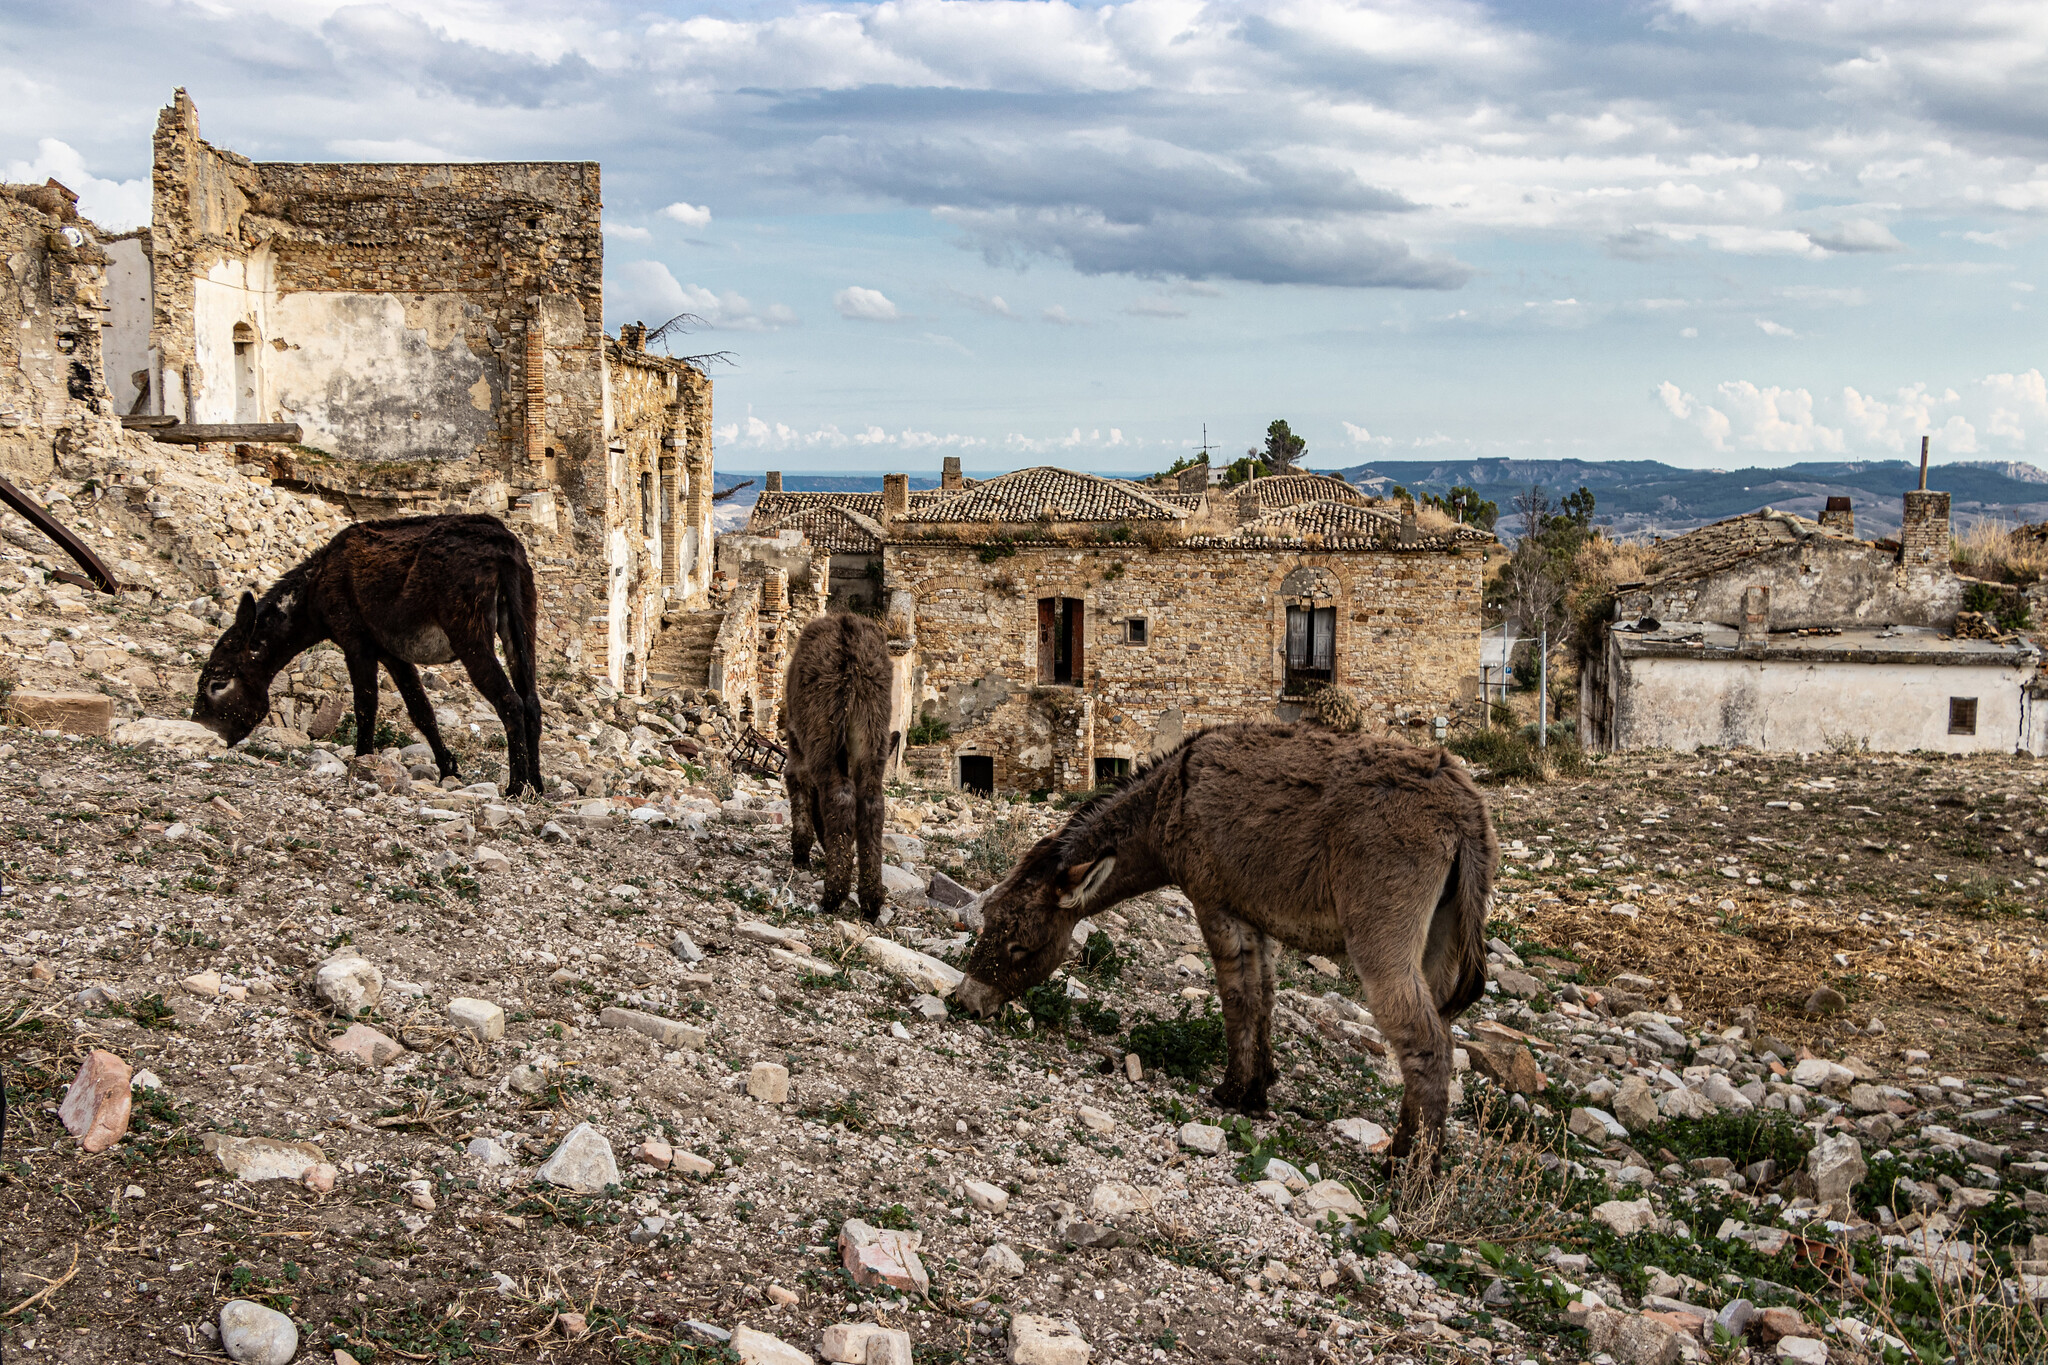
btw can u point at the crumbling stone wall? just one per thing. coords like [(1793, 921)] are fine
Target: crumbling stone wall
[(52, 401), (1818, 581), (1407, 642)]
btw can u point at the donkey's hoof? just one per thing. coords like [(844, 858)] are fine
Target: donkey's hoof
[(800, 857), (1249, 1100)]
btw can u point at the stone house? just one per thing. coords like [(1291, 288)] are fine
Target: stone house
[(1769, 631), (1057, 628), (398, 338)]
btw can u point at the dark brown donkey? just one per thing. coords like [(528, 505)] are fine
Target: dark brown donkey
[(835, 716), (1326, 842), (418, 590)]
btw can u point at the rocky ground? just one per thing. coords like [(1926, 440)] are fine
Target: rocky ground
[(415, 1073)]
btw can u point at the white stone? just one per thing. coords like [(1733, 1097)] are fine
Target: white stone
[(1804, 1350), (1114, 1199), (488, 1151), (902, 885), (986, 1197), (1046, 1341), (1364, 1132), (768, 1082), (262, 1158), (1836, 1164), (758, 1348), (1202, 1137), (1000, 1261), (349, 982), (1096, 1120), (1330, 1200), (255, 1335), (480, 1017), (169, 734), (1626, 1216), (582, 1163), (669, 1033)]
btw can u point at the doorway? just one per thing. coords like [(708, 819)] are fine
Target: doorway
[(978, 774)]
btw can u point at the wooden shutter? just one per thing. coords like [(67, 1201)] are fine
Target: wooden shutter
[(1046, 627), (1077, 617), (1325, 638), (1297, 638)]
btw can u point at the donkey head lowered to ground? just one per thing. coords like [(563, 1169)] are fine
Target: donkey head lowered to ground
[(234, 686), (1027, 920)]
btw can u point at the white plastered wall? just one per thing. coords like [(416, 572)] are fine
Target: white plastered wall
[(124, 337), (1805, 707)]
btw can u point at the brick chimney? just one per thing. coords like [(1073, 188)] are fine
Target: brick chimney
[(1755, 631), (895, 500), (774, 481), (633, 336), (1839, 516), (949, 474), (1923, 533), (775, 591)]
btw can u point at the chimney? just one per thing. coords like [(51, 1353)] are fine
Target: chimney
[(1923, 533), (775, 591), (1839, 516), (895, 499), (949, 474), (633, 336), (774, 481), (1755, 631)]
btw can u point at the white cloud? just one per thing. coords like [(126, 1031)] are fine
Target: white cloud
[(991, 304), (1155, 307), (1359, 436), (756, 433), (689, 215), (116, 205), (944, 342), (865, 305), (648, 290), (1688, 332), (626, 232), (1059, 317), (1774, 329), (1743, 415), (1856, 234)]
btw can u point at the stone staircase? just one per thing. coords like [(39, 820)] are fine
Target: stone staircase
[(681, 654)]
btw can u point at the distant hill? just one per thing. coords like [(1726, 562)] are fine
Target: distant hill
[(1646, 497)]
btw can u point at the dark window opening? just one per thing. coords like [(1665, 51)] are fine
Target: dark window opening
[(1962, 715), (646, 504), (978, 774), (1311, 647), (1061, 648), (1135, 631), (1109, 770)]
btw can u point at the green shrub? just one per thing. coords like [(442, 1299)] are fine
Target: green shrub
[(1184, 1047), (929, 730)]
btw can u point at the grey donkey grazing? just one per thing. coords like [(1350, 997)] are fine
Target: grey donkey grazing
[(1325, 842), (835, 719)]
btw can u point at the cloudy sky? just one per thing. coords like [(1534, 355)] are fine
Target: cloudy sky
[(1713, 232)]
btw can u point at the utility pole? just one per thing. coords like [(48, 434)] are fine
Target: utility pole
[(1543, 687), (1205, 447)]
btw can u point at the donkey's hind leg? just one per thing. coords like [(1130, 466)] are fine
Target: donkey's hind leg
[(802, 814), (1386, 948), (490, 679), (421, 710), (1241, 970), (362, 679), (869, 809)]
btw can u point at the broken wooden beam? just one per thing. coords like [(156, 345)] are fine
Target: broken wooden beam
[(199, 433), (51, 527), (143, 422)]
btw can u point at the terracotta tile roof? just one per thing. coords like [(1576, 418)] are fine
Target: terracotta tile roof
[(1346, 520), (1024, 494), (772, 507), (1191, 502), (1287, 490), (1727, 543), (829, 526)]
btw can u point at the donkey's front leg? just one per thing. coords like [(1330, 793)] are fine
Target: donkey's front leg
[(1234, 946), (421, 710), (362, 680)]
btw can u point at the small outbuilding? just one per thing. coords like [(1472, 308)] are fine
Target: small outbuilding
[(1770, 631)]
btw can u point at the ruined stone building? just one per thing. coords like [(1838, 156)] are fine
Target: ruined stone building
[(435, 334), (1051, 628), (1770, 631)]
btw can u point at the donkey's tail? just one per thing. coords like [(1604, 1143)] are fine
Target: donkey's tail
[(1460, 977), (518, 621)]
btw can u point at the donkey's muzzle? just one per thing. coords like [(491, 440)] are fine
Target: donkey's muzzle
[(979, 997)]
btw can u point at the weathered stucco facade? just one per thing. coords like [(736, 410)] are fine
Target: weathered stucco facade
[(1769, 631), (1063, 627), (435, 332)]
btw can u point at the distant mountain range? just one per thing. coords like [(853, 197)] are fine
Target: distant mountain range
[(1636, 498)]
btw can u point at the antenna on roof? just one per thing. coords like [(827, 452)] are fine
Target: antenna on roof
[(1205, 447)]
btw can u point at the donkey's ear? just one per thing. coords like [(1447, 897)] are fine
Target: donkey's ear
[(245, 611), (1084, 881)]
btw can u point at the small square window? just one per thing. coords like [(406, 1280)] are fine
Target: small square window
[(1135, 631), (1962, 715)]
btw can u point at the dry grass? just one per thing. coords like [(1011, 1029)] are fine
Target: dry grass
[(1604, 564), (1434, 520), (1963, 1310), (1493, 1187), (1994, 549)]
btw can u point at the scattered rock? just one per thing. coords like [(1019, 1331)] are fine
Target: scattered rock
[(255, 1335), (988, 1198), (95, 1108), (1507, 1065), (768, 1082), (758, 1348), (1626, 1217), (1038, 1340), (1836, 1165), (583, 1162), (262, 1158), (74, 713), (1001, 1262), (482, 1018), (883, 1256), (1364, 1132), (367, 1045), (669, 1033), (1826, 1000), (1204, 1138)]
